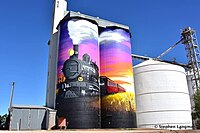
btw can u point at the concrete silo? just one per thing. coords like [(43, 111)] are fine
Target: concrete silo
[(117, 88), (162, 98), (78, 73)]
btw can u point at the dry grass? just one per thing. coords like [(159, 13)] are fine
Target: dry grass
[(119, 102)]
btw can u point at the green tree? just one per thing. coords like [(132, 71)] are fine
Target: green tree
[(196, 114), (3, 118)]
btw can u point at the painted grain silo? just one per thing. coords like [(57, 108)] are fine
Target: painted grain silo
[(162, 97), (78, 73), (117, 89)]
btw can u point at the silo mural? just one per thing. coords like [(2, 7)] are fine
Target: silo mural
[(117, 89), (78, 74)]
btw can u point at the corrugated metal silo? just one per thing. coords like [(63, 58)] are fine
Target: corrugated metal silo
[(162, 98)]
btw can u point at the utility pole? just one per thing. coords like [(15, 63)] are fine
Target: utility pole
[(11, 96)]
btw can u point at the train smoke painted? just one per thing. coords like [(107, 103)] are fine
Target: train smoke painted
[(82, 30)]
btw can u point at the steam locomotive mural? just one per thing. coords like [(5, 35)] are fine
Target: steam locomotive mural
[(78, 90), (88, 82), (81, 76)]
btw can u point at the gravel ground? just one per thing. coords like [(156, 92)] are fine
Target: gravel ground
[(106, 131)]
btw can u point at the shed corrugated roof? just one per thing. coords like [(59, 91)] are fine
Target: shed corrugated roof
[(30, 107)]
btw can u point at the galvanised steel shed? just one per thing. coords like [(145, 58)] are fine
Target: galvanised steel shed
[(31, 118)]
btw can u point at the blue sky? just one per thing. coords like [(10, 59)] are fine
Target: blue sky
[(25, 31)]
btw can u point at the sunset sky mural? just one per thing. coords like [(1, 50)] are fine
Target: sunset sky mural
[(115, 57)]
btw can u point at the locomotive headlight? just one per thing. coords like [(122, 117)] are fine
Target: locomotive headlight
[(80, 79), (71, 52)]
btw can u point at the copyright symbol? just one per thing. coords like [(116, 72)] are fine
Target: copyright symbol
[(155, 126)]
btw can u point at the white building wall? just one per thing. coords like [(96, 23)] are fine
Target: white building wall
[(59, 12)]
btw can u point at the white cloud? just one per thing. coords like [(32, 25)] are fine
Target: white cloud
[(112, 36), (81, 30)]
